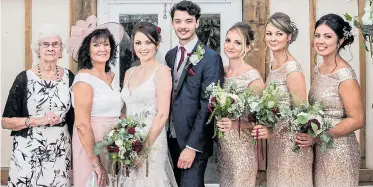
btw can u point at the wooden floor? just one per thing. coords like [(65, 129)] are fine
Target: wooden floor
[(366, 178)]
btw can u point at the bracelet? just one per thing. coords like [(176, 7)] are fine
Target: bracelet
[(27, 122), (96, 165)]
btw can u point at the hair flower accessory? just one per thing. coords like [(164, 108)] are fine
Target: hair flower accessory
[(365, 26), (159, 30), (83, 28)]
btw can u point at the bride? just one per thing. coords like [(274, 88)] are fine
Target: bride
[(147, 89)]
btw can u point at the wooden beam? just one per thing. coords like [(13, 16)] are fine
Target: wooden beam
[(256, 14), (362, 68), (80, 10), (72, 65), (312, 18), (28, 34)]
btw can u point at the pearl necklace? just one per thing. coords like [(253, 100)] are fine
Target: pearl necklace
[(58, 80)]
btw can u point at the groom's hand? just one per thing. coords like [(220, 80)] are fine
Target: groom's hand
[(186, 158)]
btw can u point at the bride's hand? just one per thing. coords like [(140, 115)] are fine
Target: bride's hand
[(102, 177), (138, 163)]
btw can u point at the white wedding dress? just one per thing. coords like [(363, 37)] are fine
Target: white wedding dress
[(160, 174)]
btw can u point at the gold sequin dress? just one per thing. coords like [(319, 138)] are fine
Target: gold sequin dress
[(338, 166), (285, 167), (237, 163)]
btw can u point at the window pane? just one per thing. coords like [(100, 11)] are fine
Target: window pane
[(209, 31), (125, 55)]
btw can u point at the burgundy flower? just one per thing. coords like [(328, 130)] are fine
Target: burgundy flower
[(189, 54), (251, 117), (213, 100), (315, 121), (276, 111), (137, 146), (159, 30), (109, 149), (112, 149), (116, 149), (131, 130)]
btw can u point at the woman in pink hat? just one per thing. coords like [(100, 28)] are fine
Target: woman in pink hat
[(96, 99)]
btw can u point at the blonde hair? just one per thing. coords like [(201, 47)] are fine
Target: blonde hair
[(246, 34), (283, 22)]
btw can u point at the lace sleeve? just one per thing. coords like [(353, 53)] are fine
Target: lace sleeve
[(14, 104), (70, 114)]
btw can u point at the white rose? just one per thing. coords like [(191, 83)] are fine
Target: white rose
[(234, 97), (121, 153), (111, 133), (222, 98), (119, 142), (270, 104), (253, 105), (194, 59), (367, 18)]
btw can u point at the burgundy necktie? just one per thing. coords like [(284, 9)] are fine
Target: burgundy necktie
[(182, 50)]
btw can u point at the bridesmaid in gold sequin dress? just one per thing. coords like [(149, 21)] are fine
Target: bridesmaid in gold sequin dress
[(237, 162), (285, 167), (335, 86)]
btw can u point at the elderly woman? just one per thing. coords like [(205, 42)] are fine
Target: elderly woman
[(38, 111)]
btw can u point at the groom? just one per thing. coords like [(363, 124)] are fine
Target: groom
[(194, 66)]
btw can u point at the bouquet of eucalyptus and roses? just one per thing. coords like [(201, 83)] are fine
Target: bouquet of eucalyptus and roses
[(124, 144), (263, 109), (310, 119), (224, 102), (365, 26)]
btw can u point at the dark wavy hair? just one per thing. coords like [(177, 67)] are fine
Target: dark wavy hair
[(150, 30), (192, 9), (339, 26), (84, 59)]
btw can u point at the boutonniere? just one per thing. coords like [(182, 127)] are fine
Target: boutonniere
[(196, 56)]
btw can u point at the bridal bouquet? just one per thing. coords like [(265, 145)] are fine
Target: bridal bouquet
[(264, 109), (224, 102), (124, 143), (309, 119)]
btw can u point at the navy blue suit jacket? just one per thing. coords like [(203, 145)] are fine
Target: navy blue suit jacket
[(189, 105)]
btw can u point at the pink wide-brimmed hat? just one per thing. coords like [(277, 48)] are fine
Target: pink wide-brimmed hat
[(83, 28)]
